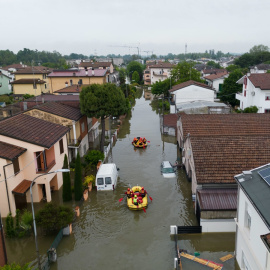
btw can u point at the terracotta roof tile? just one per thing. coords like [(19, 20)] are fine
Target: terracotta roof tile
[(34, 70), (10, 151), (216, 75), (260, 80), (161, 65), (95, 64), (78, 73), (170, 120), (60, 110), (217, 159), (75, 88), (32, 130), (225, 124)]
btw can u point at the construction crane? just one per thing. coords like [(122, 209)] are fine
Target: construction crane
[(149, 52), (126, 46)]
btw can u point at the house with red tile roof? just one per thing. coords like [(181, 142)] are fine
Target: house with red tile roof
[(255, 92), (216, 80), (214, 149), (29, 147), (80, 128)]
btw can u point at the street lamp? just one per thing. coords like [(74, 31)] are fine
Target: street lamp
[(33, 212)]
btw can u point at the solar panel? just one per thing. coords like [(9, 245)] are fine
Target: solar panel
[(265, 174)]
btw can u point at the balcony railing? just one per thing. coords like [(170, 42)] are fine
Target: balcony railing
[(160, 74), (47, 168)]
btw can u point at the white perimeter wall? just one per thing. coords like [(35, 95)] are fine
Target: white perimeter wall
[(218, 225)]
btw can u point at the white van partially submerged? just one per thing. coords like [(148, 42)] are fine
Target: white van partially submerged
[(106, 178)]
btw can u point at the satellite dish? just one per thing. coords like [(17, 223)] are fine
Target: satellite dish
[(253, 93)]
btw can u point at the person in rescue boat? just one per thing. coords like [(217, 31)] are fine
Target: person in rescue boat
[(143, 192), (128, 193), (135, 140), (135, 200)]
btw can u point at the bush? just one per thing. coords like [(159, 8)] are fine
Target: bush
[(10, 226), (53, 217), (26, 96), (88, 179), (251, 109), (93, 157), (14, 266), (26, 220)]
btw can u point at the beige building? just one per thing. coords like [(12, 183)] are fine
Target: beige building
[(29, 148), (77, 137), (32, 81), (59, 79)]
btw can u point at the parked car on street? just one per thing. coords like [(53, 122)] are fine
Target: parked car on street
[(167, 170)]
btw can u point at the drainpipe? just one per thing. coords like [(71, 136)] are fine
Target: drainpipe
[(4, 169), (75, 136)]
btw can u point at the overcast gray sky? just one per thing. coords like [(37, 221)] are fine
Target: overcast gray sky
[(89, 27)]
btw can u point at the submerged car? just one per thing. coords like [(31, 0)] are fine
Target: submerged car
[(167, 170)]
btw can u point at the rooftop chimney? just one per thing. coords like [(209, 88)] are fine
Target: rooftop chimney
[(247, 175)]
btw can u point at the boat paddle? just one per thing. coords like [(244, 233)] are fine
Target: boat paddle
[(121, 199), (144, 210), (150, 197)]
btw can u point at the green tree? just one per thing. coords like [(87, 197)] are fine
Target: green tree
[(93, 157), (7, 57), (184, 71), (161, 87), (101, 101), (15, 266), (258, 49), (136, 77), (67, 193), (78, 186), (230, 88), (251, 109), (135, 66), (53, 217), (231, 68)]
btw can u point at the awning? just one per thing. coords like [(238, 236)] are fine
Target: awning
[(22, 188)]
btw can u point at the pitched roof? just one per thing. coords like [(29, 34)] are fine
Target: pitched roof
[(56, 98), (260, 80), (32, 130), (217, 199), (23, 187), (95, 64), (215, 76), (60, 110), (225, 124), (161, 65), (218, 159), (78, 73), (2, 74), (188, 83), (212, 70), (15, 66), (28, 81), (262, 66), (75, 88), (170, 120), (34, 70), (10, 151)]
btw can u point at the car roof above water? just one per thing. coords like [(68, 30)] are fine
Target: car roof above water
[(166, 164), (106, 169)]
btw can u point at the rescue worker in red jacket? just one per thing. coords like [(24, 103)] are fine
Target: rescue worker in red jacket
[(143, 192), (128, 193)]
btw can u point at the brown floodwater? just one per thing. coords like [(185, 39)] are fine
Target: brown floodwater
[(107, 235)]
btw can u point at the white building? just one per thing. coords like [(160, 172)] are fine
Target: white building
[(253, 219), (261, 68), (255, 92), (216, 80), (190, 91), (160, 72)]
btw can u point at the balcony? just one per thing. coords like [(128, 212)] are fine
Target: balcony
[(46, 168), (164, 74), (74, 143)]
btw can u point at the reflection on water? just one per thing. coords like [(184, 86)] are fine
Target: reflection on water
[(108, 235)]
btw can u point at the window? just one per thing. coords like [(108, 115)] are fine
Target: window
[(247, 217), (100, 181), (245, 93), (267, 97), (16, 165), (267, 110), (34, 86), (61, 146), (45, 86), (245, 264), (71, 82), (108, 180), (0, 84), (83, 127), (80, 81)]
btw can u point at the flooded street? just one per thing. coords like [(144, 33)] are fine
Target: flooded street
[(108, 235)]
